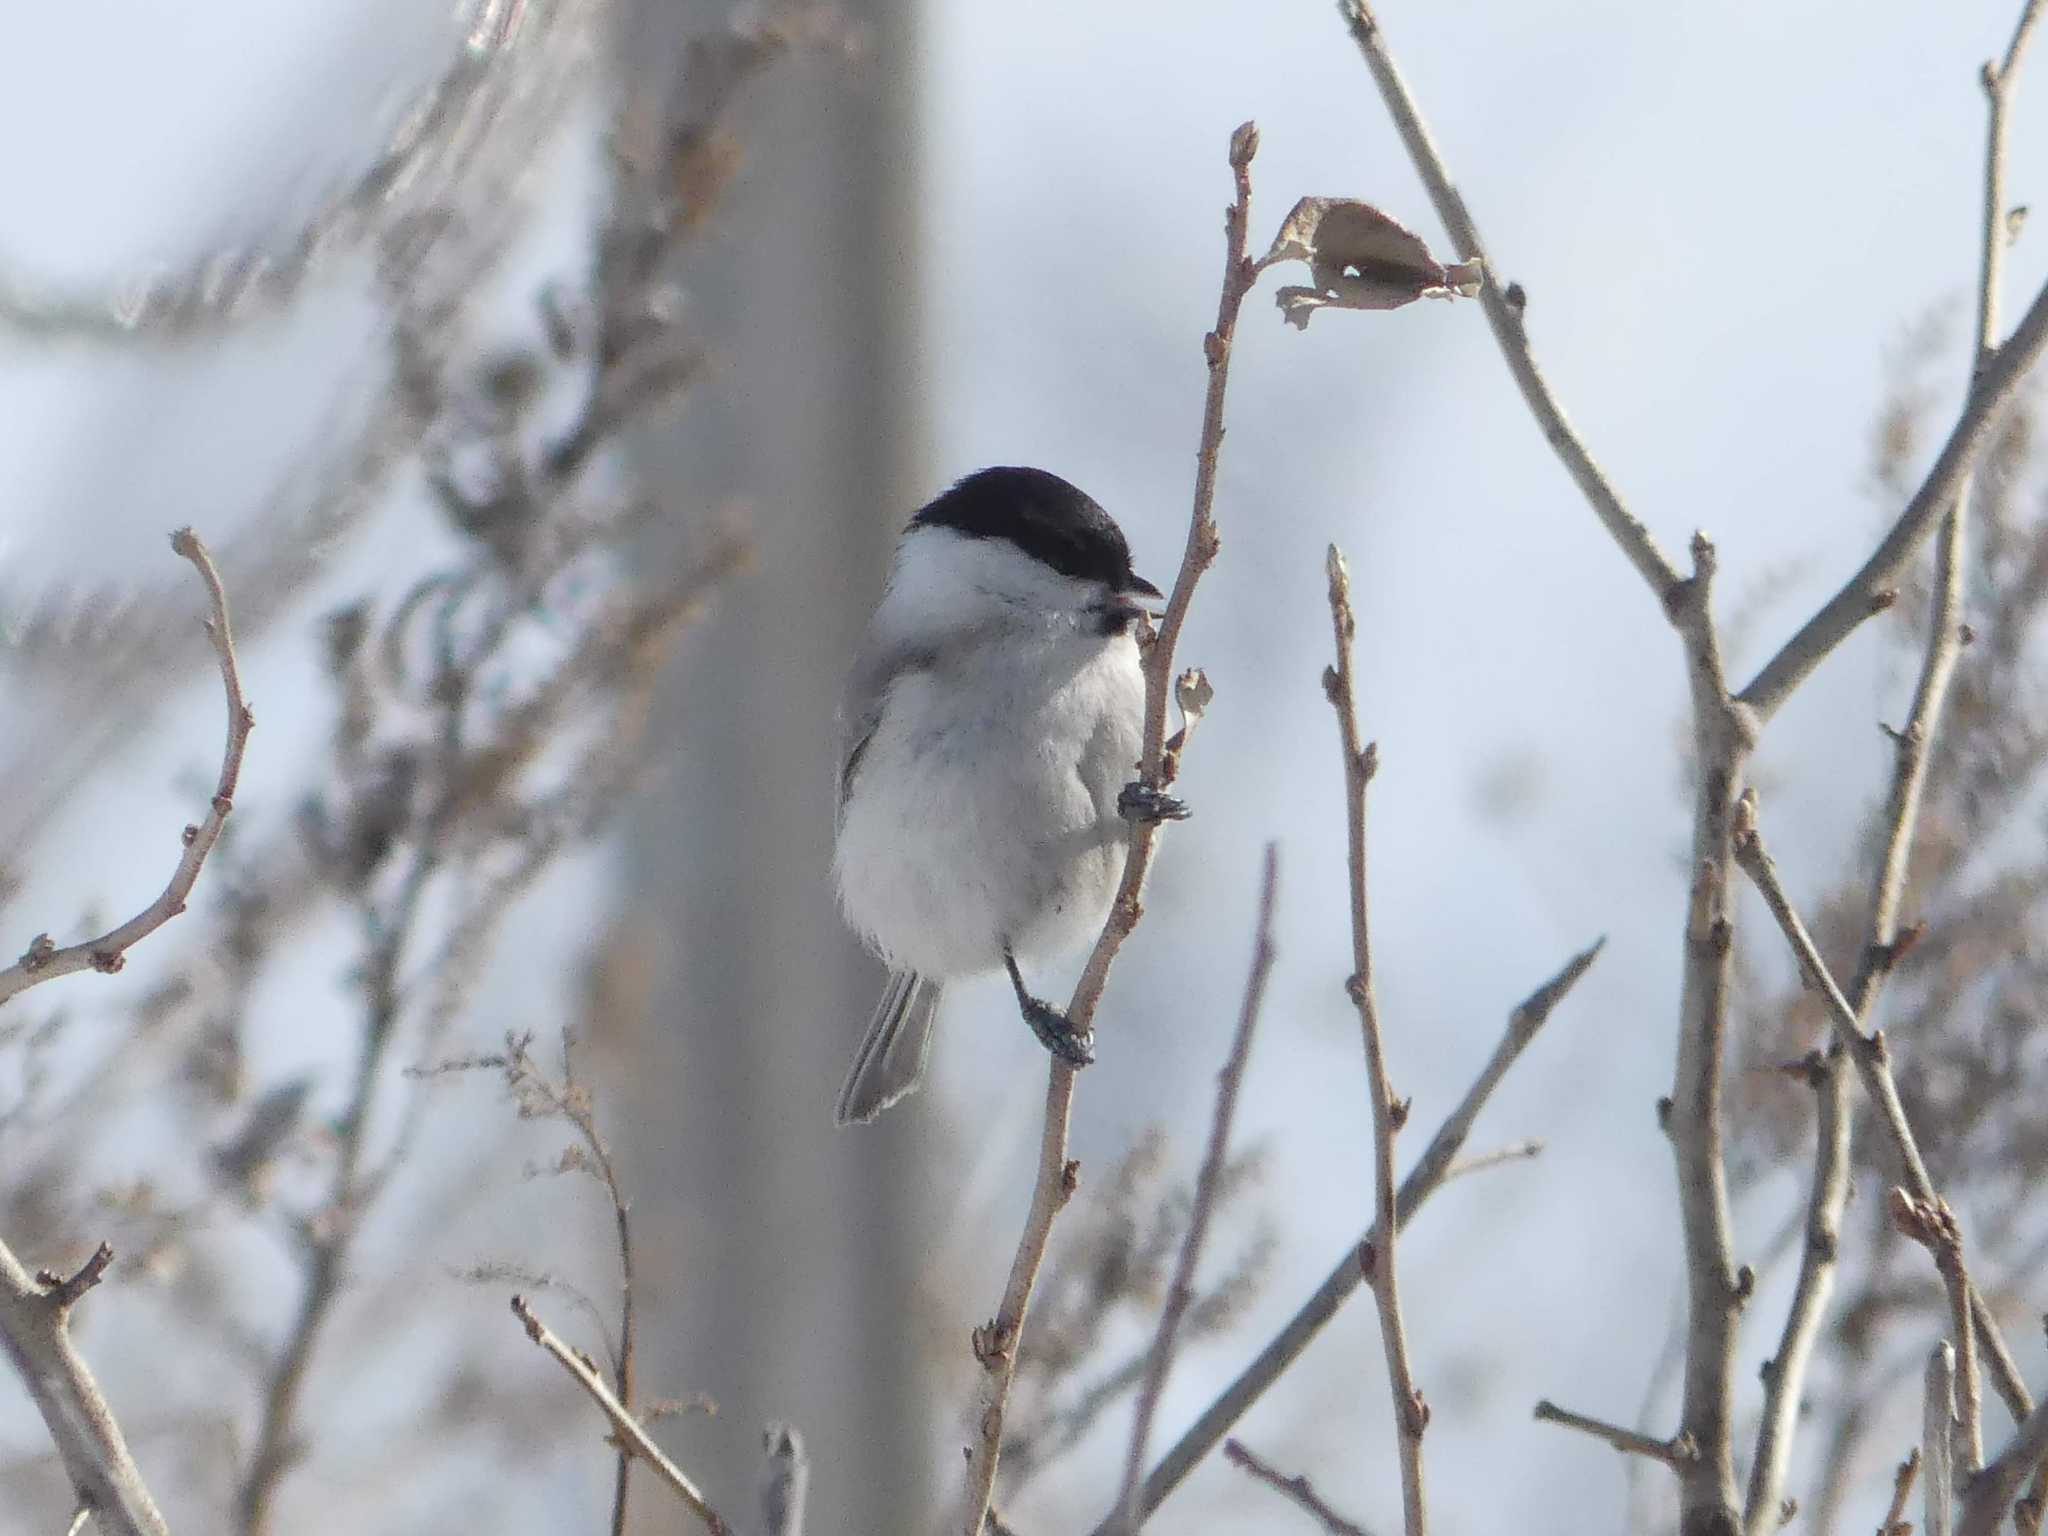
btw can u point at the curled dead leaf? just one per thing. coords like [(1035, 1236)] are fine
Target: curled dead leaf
[(1360, 258)]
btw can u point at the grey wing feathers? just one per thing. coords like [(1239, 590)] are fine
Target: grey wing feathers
[(860, 713), (866, 692), (890, 1061)]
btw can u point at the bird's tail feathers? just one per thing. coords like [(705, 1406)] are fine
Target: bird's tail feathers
[(890, 1061)]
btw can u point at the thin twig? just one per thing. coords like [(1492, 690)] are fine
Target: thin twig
[(1863, 594), (1504, 313), (995, 1342), (1993, 239), (1902, 1489), (1296, 1488), (571, 1101), (1990, 1493), (35, 1310), (44, 961), (1937, 1441), (626, 1428), (1499, 1157), (1871, 1057), (458, 133), (330, 1234), (1676, 1452), (1724, 735), (1181, 1292), (1411, 1412), (35, 1316), (1785, 1372), (1998, 81), (1345, 1275), (1830, 1189), (1934, 1227)]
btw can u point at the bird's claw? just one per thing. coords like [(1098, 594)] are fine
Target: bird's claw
[(1139, 801), (1076, 1047)]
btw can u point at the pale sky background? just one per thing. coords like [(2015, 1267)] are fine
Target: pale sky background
[(1723, 217)]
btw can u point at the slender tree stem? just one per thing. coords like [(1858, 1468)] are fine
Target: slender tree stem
[(996, 1342), (1411, 1411), (1180, 1292), (1428, 1175)]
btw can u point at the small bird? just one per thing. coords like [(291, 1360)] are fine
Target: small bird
[(986, 790)]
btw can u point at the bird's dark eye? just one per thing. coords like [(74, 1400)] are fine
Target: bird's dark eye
[(1115, 615)]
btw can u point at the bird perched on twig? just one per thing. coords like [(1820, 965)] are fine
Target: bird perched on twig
[(992, 730)]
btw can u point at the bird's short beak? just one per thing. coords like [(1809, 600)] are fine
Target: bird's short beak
[(1143, 588)]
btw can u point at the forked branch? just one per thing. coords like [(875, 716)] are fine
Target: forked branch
[(35, 1310), (1345, 1276), (1871, 1057), (625, 1427), (35, 1317)]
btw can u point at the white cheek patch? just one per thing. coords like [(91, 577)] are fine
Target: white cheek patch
[(944, 581)]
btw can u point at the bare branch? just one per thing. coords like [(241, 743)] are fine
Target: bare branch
[(1504, 310), (1411, 1412), (569, 1100), (1296, 1488), (1990, 1492), (35, 1310), (106, 954), (625, 1427), (1678, 1452), (1723, 736), (1998, 81), (1181, 1292), (1937, 1441), (1499, 1157), (1914, 751), (1785, 1372), (1346, 1275), (35, 1314), (1934, 1227), (513, 54), (2000, 370), (1895, 1523), (330, 1234), (995, 1342), (1872, 1059)]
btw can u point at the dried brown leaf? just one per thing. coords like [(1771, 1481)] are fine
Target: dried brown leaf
[(1360, 258)]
